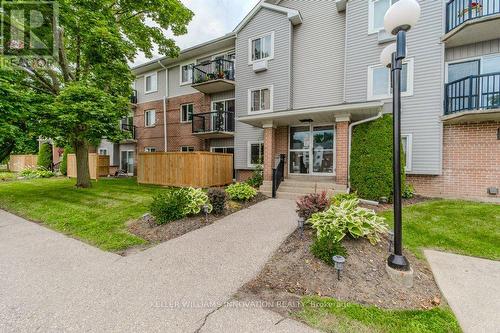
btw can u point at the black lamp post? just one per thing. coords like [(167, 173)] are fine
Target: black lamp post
[(398, 20)]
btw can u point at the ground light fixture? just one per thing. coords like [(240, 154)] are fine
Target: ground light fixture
[(300, 223), (205, 210), (338, 262), (398, 20)]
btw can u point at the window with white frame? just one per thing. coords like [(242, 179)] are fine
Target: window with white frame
[(376, 13), (406, 140), (255, 153), (379, 81), (260, 100), (150, 150), (150, 83), (261, 48), (187, 73), (150, 118), (186, 149), (103, 151), (187, 113)]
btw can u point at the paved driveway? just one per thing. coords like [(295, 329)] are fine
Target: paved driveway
[(50, 282)]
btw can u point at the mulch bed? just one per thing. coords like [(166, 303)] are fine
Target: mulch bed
[(294, 272), (147, 229)]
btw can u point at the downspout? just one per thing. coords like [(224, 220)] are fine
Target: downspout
[(351, 126), (165, 107)]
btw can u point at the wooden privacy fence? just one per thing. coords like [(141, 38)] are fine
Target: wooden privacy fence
[(18, 163), (98, 166), (196, 169)]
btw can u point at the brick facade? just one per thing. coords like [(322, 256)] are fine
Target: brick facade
[(269, 152), (471, 163), (281, 145), (341, 151)]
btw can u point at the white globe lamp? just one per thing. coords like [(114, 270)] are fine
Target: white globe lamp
[(403, 15)]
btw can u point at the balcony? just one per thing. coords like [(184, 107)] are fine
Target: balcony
[(131, 129), (471, 21), (474, 98), (214, 76), (213, 125), (133, 97)]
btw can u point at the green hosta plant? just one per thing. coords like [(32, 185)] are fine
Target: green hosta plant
[(197, 198), (241, 192), (347, 218)]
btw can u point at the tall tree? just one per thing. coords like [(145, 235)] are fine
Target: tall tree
[(89, 82)]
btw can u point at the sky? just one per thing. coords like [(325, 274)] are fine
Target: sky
[(212, 19)]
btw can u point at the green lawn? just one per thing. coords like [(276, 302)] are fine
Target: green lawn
[(96, 216), (5, 175), (462, 227), (331, 315)]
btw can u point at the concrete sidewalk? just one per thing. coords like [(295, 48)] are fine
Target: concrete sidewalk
[(472, 288), (50, 282)]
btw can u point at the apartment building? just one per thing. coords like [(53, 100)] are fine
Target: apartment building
[(296, 76)]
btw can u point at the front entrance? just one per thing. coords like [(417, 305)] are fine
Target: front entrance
[(311, 150)]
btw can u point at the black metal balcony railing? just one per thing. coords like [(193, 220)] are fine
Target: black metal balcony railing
[(220, 69), (133, 97), (475, 92), (129, 128), (461, 11), (219, 121)]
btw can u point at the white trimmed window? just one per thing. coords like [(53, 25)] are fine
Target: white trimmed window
[(150, 83), (103, 151), (260, 100), (376, 13), (186, 149), (150, 150), (186, 73), (261, 48), (379, 81), (187, 113), (150, 118), (255, 153), (406, 140)]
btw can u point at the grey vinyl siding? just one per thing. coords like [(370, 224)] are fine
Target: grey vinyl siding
[(223, 95), (217, 143), (277, 75), (421, 112), (473, 50), (318, 54), (174, 87), (142, 97)]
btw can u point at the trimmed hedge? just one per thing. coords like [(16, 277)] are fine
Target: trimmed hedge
[(64, 162), (45, 156), (371, 159)]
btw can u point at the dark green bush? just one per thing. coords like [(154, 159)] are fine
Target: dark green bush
[(217, 197), (45, 156), (371, 159), (64, 162), (325, 248), (170, 205)]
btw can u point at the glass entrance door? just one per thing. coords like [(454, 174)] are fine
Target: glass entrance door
[(312, 150), (127, 161)]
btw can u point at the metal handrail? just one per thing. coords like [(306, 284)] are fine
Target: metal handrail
[(129, 128), (278, 175), (216, 121), (460, 11), (474, 92), (219, 69)]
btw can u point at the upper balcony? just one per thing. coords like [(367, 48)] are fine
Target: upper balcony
[(131, 130), (213, 125), (471, 21), (214, 76), (473, 98), (133, 97)]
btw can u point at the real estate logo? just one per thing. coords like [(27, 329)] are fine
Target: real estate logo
[(27, 30)]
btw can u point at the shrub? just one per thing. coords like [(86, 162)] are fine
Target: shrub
[(45, 156), (311, 203), (217, 197), (338, 198), (257, 177), (241, 192), (371, 159), (64, 162), (408, 191), (347, 218), (197, 198), (170, 205), (38, 172), (325, 248)]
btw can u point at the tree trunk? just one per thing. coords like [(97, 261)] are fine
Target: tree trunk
[(6, 148), (82, 164)]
